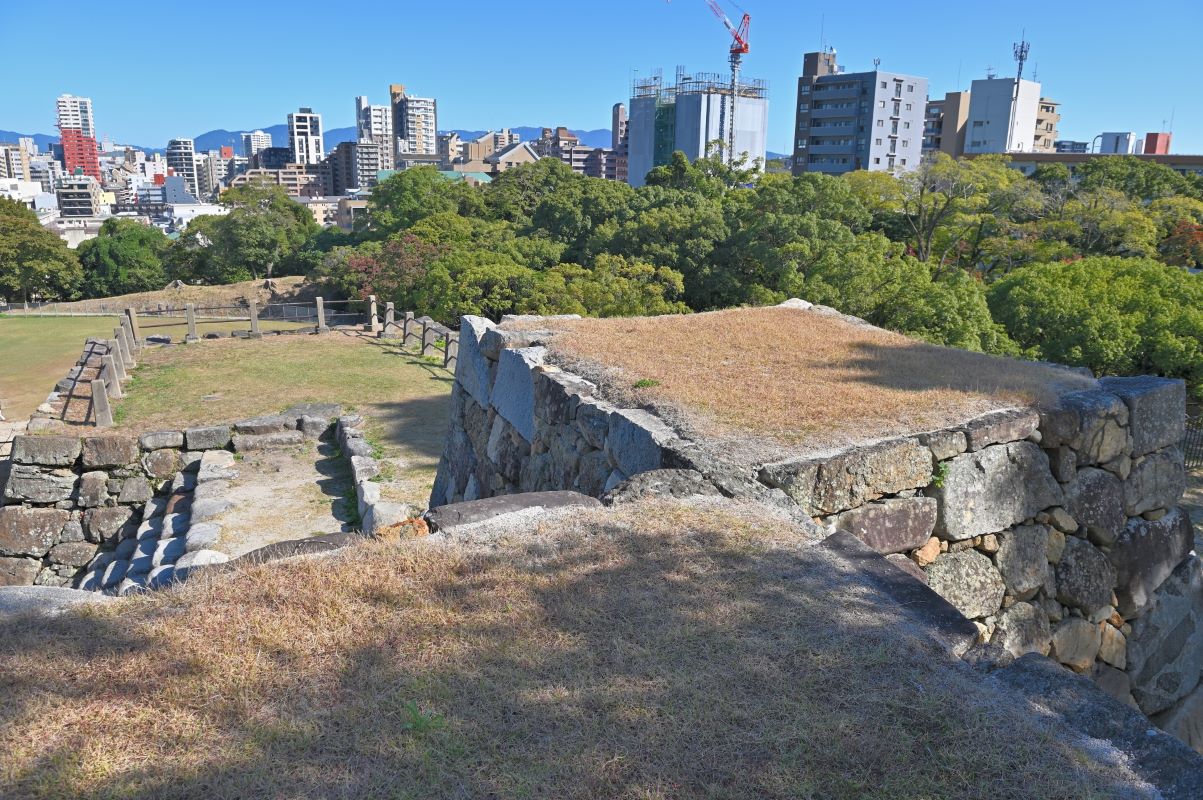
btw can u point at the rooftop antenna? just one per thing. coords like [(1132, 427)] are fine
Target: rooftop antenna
[(1020, 49), (876, 63)]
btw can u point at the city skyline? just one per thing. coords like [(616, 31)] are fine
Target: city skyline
[(492, 84)]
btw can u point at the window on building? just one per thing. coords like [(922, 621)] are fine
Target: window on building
[(804, 90), (877, 161), (906, 126), (977, 123), (910, 87), (909, 106), (804, 106), (881, 103), (904, 162), (906, 143), (890, 163), (880, 122), (883, 84), (877, 141)]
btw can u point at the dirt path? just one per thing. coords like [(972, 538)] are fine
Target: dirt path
[(286, 494)]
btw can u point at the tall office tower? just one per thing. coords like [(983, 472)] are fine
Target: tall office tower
[(77, 130), (691, 116), (857, 120), (375, 124), (305, 137), (1048, 119), (255, 141), (618, 128), (1001, 118), (415, 122), (181, 159)]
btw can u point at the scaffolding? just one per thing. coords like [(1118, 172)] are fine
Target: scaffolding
[(695, 83)]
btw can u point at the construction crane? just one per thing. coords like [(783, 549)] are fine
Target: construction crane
[(739, 48)]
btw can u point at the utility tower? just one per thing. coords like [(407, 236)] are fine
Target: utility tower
[(739, 47), (1020, 49)]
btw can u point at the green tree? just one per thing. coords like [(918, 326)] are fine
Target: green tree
[(125, 257), (34, 263), (264, 228), (410, 195)]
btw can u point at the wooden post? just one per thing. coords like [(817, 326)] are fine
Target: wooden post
[(118, 360), (127, 357), (190, 314), (407, 328), (254, 311), (132, 316), (450, 350), (109, 373), (390, 320), (100, 405), (428, 338), (321, 316)]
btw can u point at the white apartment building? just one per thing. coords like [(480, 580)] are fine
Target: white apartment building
[(415, 122), (305, 137), (181, 159), (75, 113), (375, 124), (998, 120), (255, 141)]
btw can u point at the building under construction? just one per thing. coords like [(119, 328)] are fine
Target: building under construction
[(692, 116)]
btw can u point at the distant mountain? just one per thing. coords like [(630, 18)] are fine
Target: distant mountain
[(42, 140)]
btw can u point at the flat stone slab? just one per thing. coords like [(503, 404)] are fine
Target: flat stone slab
[(297, 547), (273, 423), (456, 516), (45, 601), (213, 437), (325, 411), (49, 451), (246, 442), (892, 526)]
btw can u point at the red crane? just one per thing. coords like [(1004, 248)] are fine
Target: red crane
[(739, 47)]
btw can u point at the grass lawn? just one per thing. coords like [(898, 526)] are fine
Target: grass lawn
[(36, 352), (404, 396), (647, 652)]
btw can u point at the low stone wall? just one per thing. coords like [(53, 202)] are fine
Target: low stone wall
[(1056, 531), (374, 513)]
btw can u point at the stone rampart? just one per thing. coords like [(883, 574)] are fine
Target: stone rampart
[(1056, 530)]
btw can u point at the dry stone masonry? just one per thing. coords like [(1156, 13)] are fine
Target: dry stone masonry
[(1056, 530)]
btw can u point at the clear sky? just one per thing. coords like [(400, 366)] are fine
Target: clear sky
[(157, 70)]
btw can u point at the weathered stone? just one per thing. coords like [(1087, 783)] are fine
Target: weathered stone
[(382, 515), (1056, 546), (161, 440), (1076, 643), (364, 468), (928, 553), (1146, 553), (1022, 628), (273, 423), (155, 507), (142, 559), (1084, 576), (1091, 422), (1184, 720), (169, 550), (1022, 559), (75, 554), (109, 451), (1113, 647), (968, 581), (636, 439), (1095, 499), (594, 468), (198, 558), (114, 573), (73, 531), (558, 394), (161, 464), (1063, 462), (207, 509), (471, 366), (125, 548), (312, 427), (318, 411), (46, 451), (908, 566), (891, 526), (216, 465), (367, 494), (993, 489), (93, 489), (135, 490), (1165, 648), (215, 437), (593, 421), (30, 531), (507, 449), (1157, 409), (18, 571), (31, 484), (161, 577), (106, 524), (1157, 480), (1113, 682), (514, 392), (661, 483), (1062, 521), (132, 583), (1000, 427), (944, 444), (247, 442)]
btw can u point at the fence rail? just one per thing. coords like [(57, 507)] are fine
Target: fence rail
[(1192, 445)]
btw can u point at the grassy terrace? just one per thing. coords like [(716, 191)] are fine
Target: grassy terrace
[(654, 652), (404, 396), (795, 376)]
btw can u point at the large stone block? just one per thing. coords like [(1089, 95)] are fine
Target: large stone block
[(161, 464), (1184, 720), (1084, 576), (1076, 642), (593, 421), (507, 450), (471, 367), (74, 554), (1022, 628), (161, 440), (30, 531), (1095, 499), (636, 440), (248, 442), (100, 452), (1145, 555), (1157, 410), (272, 423), (213, 437), (1092, 422), (107, 524), (968, 581), (993, 489), (891, 526), (31, 484), (1157, 480), (1000, 427), (558, 394), (1165, 648), (514, 390), (19, 571), (93, 489), (46, 451), (1022, 559)]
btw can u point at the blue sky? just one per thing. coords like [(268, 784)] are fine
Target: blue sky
[(1113, 66)]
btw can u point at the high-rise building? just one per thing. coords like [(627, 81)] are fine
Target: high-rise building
[(255, 141), (1048, 116), (415, 122), (861, 120), (1157, 144), (1002, 119), (14, 162), (618, 128), (944, 124), (181, 160), (305, 137), (691, 116), (375, 124), (79, 196), (77, 133)]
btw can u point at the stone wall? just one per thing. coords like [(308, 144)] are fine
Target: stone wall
[(1056, 531)]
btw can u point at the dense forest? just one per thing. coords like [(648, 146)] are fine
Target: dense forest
[(1098, 268)]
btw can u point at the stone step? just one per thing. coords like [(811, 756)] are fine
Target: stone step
[(455, 517)]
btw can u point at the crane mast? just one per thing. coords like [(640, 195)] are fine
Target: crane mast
[(739, 47)]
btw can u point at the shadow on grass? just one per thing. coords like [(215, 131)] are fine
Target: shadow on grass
[(623, 664)]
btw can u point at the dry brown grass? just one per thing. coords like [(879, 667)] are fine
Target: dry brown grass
[(648, 653), (800, 378), (286, 289)]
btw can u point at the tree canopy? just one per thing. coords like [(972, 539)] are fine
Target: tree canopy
[(35, 264)]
